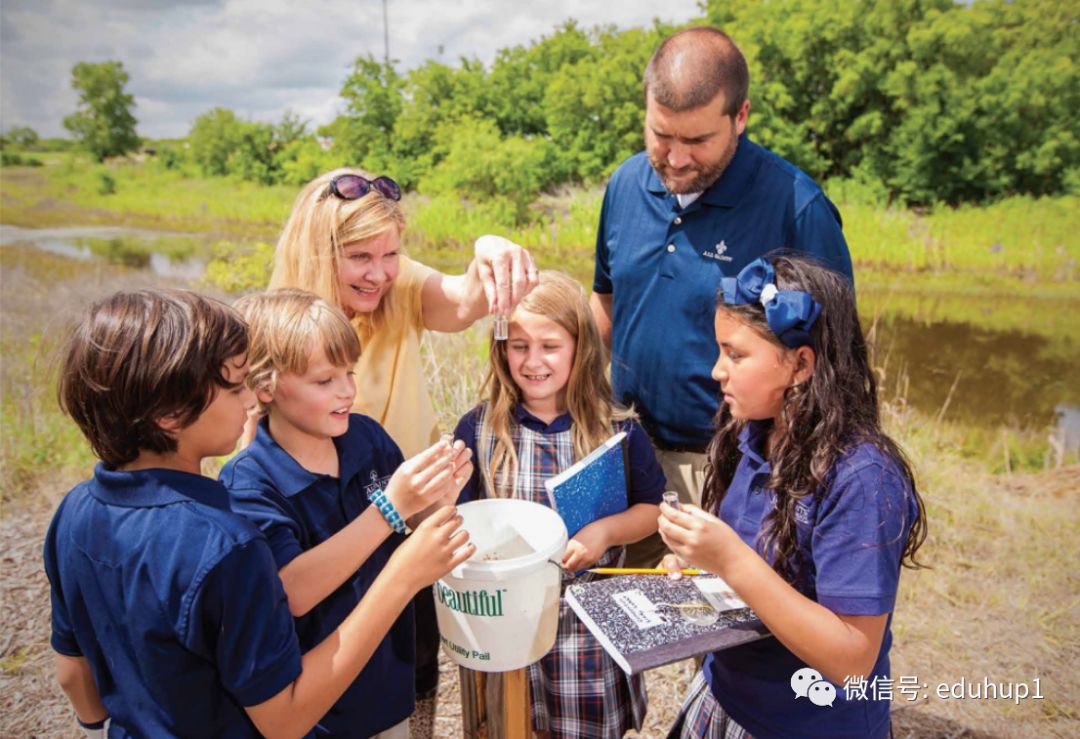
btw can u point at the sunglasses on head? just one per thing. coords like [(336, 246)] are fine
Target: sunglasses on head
[(353, 187)]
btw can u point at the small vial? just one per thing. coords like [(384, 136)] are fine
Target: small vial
[(501, 328), (672, 499), (448, 439)]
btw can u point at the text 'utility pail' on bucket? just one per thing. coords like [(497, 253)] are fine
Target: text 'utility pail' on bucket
[(499, 610)]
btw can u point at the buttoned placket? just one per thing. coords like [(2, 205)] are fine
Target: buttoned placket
[(676, 244)]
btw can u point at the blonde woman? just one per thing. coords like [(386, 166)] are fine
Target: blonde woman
[(343, 242)]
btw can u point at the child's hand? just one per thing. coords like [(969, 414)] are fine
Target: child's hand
[(698, 538), (674, 565), (438, 545), (586, 548), (463, 470), (423, 479)]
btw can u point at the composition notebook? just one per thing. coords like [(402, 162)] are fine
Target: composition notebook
[(645, 621), (591, 488)]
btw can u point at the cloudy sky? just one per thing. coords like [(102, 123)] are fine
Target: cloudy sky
[(258, 57)]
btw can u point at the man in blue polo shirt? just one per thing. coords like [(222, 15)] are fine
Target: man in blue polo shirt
[(697, 205)]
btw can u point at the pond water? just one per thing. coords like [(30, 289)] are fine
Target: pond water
[(178, 256), (997, 363), (983, 375)]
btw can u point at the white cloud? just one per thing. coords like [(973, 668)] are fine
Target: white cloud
[(257, 57)]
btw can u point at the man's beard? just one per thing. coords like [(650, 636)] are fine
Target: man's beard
[(704, 178)]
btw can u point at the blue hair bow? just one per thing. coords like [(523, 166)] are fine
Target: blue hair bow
[(789, 313)]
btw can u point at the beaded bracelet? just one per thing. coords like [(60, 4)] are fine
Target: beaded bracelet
[(386, 508)]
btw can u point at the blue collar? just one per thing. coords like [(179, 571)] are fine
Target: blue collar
[(529, 421), (752, 439), (727, 191), (156, 487), (288, 476)]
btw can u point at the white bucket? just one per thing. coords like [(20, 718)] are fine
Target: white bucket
[(499, 610)]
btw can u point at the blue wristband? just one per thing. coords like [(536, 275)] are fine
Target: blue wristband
[(386, 508)]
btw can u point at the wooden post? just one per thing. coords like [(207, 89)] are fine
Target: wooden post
[(495, 705), (472, 703), (517, 723)]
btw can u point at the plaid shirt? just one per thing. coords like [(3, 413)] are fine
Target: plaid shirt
[(577, 690)]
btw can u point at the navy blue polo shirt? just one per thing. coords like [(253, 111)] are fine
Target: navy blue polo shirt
[(663, 265), (646, 480), (298, 510), (173, 600), (851, 540)]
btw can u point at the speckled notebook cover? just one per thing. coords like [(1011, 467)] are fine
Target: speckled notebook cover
[(592, 488), (623, 614)]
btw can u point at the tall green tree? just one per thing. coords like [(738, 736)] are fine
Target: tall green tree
[(520, 77), (373, 100), (435, 97), (214, 136), (104, 122), (594, 106)]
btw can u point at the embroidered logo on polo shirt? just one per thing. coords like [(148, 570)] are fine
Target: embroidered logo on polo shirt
[(376, 483), (718, 252), (802, 513)]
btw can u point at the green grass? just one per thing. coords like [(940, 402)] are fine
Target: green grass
[(70, 191), (1047, 310), (1033, 239), (37, 442), (1021, 236), (43, 295)]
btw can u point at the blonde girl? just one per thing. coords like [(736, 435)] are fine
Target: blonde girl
[(549, 403)]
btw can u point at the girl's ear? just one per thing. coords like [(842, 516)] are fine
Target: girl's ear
[(804, 364)]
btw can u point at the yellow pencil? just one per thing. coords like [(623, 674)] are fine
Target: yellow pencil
[(639, 571)]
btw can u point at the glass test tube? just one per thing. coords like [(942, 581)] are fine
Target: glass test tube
[(449, 439), (500, 327)]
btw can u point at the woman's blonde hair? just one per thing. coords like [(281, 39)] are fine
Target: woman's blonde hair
[(589, 400), (285, 327), (308, 252)]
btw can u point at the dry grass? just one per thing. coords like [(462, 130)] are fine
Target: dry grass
[(1002, 600)]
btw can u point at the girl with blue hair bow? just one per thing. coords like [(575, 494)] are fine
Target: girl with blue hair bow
[(809, 512)]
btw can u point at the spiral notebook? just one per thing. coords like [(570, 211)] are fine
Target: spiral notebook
[(592, 488)]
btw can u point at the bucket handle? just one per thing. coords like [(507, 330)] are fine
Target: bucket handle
[(566, 574)]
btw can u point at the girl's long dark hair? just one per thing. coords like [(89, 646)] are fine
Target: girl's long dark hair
[(833, 411)]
